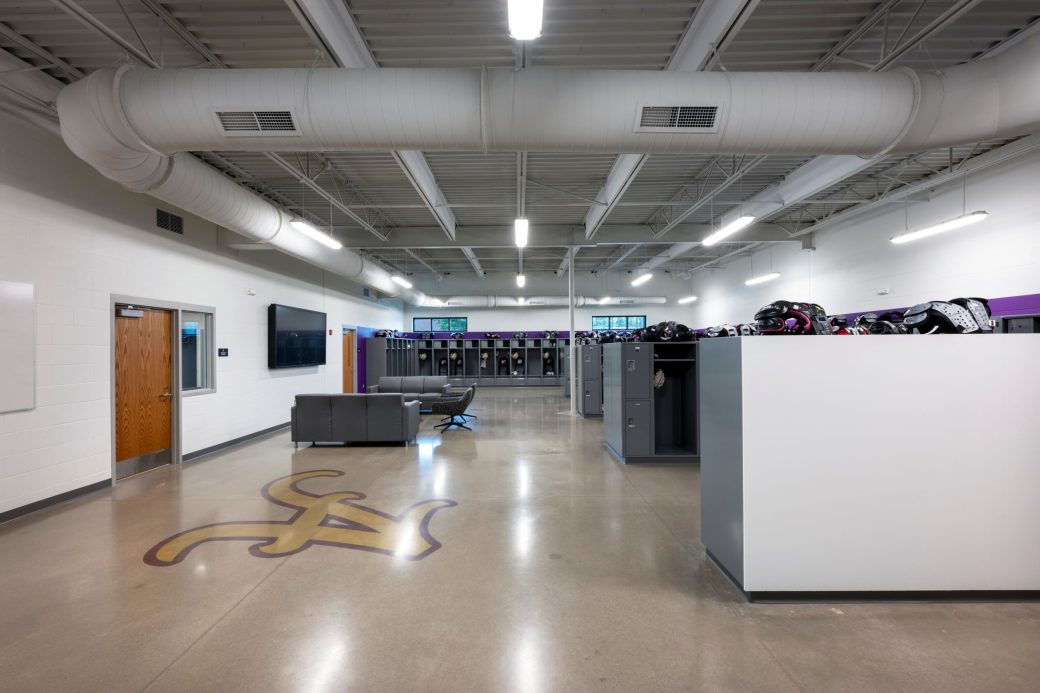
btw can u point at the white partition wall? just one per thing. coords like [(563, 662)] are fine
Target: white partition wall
[(887, 463), (17, 346)]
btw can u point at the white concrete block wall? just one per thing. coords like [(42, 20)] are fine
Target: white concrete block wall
[(80, 239)]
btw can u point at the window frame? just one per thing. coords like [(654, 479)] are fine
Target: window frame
[(448, 318), (209, 351), (609, 318)]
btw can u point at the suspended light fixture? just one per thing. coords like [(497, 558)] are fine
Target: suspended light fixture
[(604, 301), (401, 281), (949, 225), (308, 230), (525, 19), (762, 279), (521, 280), (728, 230), (436, 302), (642, 279), (520, 300), (687, 299), (520, 232)]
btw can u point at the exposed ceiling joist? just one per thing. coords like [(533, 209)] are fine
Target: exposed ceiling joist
[(706, 34), (474, 262), (307, 181), (332, 24)]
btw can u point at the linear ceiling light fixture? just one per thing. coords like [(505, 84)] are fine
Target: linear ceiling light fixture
[(949, 225), (521, 280), (728, 230), (520, 227), (762, 279), (642, 279), (525, 19), (604, 301), (401, 281), (687, 299), (434, 301), (307, 229)]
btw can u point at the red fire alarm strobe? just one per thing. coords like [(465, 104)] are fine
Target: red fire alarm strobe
[(330, 331)]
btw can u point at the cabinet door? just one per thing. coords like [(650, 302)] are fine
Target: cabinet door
[(636, 364), (592, 397), (637, 428)]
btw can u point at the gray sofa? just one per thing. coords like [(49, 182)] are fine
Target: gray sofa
[(425, 388), (354, 418)]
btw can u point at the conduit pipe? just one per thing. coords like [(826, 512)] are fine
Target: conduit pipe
[(553, 301)]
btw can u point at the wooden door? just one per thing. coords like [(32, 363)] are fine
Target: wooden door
[(144, 394), (348, 360)]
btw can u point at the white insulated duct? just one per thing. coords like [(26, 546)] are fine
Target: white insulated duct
[(134, 125), (577, 110), (552, 301), (108, 142)]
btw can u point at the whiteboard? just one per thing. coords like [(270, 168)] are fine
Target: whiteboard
[(17, 346)]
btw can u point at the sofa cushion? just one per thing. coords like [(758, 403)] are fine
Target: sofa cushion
[(429, 396), (349, 415), (412, 383), (313, 418), (385, 417), (389, 383), (434, 383)]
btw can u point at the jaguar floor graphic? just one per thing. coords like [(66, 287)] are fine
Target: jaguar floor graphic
[(331, 519)]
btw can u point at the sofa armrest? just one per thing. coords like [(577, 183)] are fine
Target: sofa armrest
[(411, 419), (445, 389), (372, 389)]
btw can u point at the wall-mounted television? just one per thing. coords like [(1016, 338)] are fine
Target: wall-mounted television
[(295, 337)]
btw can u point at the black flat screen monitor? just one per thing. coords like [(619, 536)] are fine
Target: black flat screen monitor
[(295, 337)]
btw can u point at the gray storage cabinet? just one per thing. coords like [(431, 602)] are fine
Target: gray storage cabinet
[(589, 363), (626, 399), (642, 423)]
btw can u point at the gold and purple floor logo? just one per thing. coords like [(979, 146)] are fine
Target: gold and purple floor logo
[(330, 519)]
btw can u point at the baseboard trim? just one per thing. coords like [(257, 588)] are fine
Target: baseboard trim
[(15, 513), (193, 456)]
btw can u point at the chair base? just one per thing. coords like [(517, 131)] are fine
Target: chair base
[(456, 422)]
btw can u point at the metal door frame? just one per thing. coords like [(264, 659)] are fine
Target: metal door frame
[(175, 309)]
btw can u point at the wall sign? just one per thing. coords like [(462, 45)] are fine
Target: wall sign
[(222, 351)]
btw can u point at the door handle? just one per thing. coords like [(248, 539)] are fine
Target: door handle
[(166, 395)]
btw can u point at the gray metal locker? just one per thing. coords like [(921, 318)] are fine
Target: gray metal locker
[(643, 423), (637, 373), (638, 430), (591, 402)]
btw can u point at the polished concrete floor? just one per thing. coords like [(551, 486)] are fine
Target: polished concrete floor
[(557, 570)]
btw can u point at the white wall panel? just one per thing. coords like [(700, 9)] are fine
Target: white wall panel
[(17, 346), (999, 256), (80, 239)]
